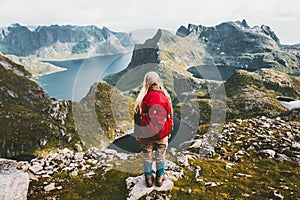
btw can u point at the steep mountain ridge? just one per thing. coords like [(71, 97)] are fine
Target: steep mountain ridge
[(29, 121), (236, 44), (230, 44), (234, 37), (166, 53)]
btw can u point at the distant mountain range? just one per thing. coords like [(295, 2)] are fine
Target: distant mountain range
[(48, 41), (232, 44), (59, 43), (236, 44)]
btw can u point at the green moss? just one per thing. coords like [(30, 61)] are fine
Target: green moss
[(266, 176), (110, 185), (114, 112), (254, 94)]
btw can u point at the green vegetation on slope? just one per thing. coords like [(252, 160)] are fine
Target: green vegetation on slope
[(253, 94), (27, 128)]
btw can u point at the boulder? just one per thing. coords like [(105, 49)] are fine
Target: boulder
[(13, 184), (137, 187), (7, 163)]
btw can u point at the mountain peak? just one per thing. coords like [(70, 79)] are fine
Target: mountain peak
[(14, 25), (245, 24), (239, 26), (268, 31)]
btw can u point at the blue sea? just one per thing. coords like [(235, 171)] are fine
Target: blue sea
[(75, 82)]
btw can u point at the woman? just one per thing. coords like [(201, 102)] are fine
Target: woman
[(153, 106)]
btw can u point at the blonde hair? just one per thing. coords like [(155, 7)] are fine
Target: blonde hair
[(151, 78)]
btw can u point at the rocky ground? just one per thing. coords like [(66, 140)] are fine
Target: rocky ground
[(247, 150)]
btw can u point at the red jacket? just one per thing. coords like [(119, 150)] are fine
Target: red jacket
[(156, 120)]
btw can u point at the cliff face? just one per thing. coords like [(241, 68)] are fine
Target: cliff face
[(48, 41), (29, 121)]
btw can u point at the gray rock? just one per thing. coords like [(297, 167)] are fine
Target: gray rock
[(213, 184), (173, 171), (13, 184), (197, 173), (207, 151), (244, 175), (184, 160), (93, 152), (242, 153), (23, 165), (89, 174), (49, 187), (282, 157), (137, 187), (79, 156), (7, 163), (278, 195), (267, 153), (122, 156), (109, 151), (296, 145), (36, 167)]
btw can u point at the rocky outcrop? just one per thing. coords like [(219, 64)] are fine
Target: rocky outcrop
[(89, 163), (13, 184), (140, 189), (242, 140), (263, 137), (16, 85), (137, 188), (7, 163)]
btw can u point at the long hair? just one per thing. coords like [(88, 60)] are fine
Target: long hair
[(151, 78)]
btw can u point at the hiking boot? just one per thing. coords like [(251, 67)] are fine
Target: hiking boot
[(149, 181), (159, 180)]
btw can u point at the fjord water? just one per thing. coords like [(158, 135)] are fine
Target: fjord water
[(75, 82)]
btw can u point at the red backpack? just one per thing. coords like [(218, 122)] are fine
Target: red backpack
[(155, 120)]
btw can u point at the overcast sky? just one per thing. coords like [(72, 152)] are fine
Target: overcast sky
[(283, 16)]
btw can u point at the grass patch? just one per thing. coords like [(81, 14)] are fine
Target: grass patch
[(110, 185), (264, 178)]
